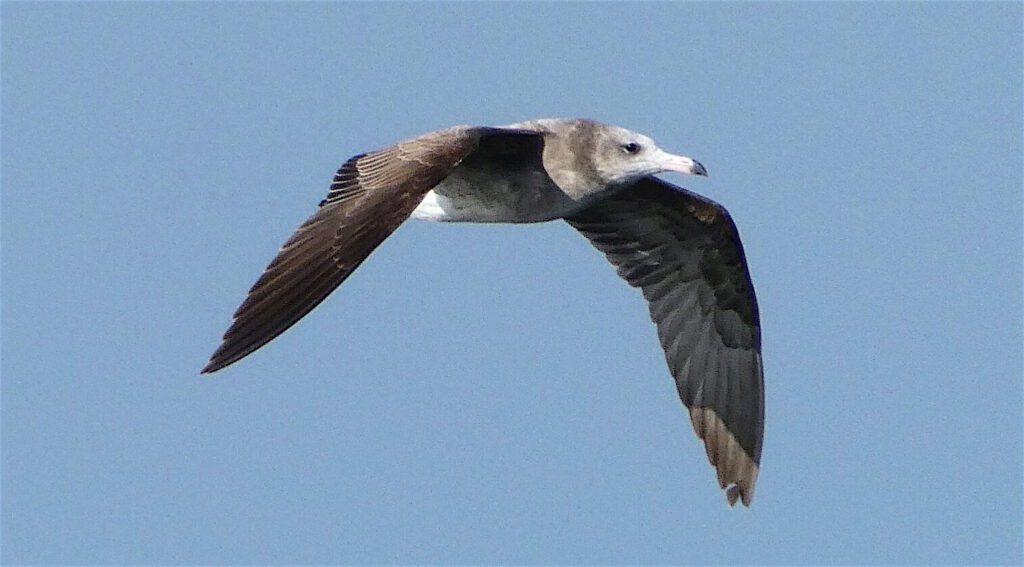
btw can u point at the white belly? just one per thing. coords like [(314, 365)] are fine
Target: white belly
[(466, 196), (436, 208)]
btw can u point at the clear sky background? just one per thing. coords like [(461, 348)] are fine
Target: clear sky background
[(495, 393)]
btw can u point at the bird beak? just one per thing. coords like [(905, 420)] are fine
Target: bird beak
[(669, 162)]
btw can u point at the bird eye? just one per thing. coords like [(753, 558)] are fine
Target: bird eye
[(631, 147)]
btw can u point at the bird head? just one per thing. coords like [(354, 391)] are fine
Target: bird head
[(623, 157)]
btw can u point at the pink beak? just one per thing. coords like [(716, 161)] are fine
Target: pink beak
[(682, 164)]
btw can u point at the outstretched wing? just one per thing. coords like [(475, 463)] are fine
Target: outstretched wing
[(372, 194), (684, 253)]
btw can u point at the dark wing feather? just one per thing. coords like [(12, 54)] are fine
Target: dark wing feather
[(371, 195), (684, 252)]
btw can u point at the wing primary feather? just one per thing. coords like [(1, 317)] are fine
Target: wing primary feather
[(370, 195), (684, 252)]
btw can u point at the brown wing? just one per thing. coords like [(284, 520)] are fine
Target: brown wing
[(684, 253), (371, 195)]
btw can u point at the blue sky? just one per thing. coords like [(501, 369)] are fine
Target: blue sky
[(495, 394)]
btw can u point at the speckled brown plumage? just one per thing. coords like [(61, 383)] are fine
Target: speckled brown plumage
[(682, 250)]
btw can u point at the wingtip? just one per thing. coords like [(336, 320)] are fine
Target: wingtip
[(212, 366), (736, 471), (733, 494), (740, 493)]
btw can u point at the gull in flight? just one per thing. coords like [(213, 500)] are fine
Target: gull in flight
[(680, 249)]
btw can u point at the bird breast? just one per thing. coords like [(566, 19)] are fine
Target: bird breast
[(473, 195)]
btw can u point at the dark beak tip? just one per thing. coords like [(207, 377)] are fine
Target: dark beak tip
[(698, 169)]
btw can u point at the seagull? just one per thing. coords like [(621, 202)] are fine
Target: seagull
[(681, 249)]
